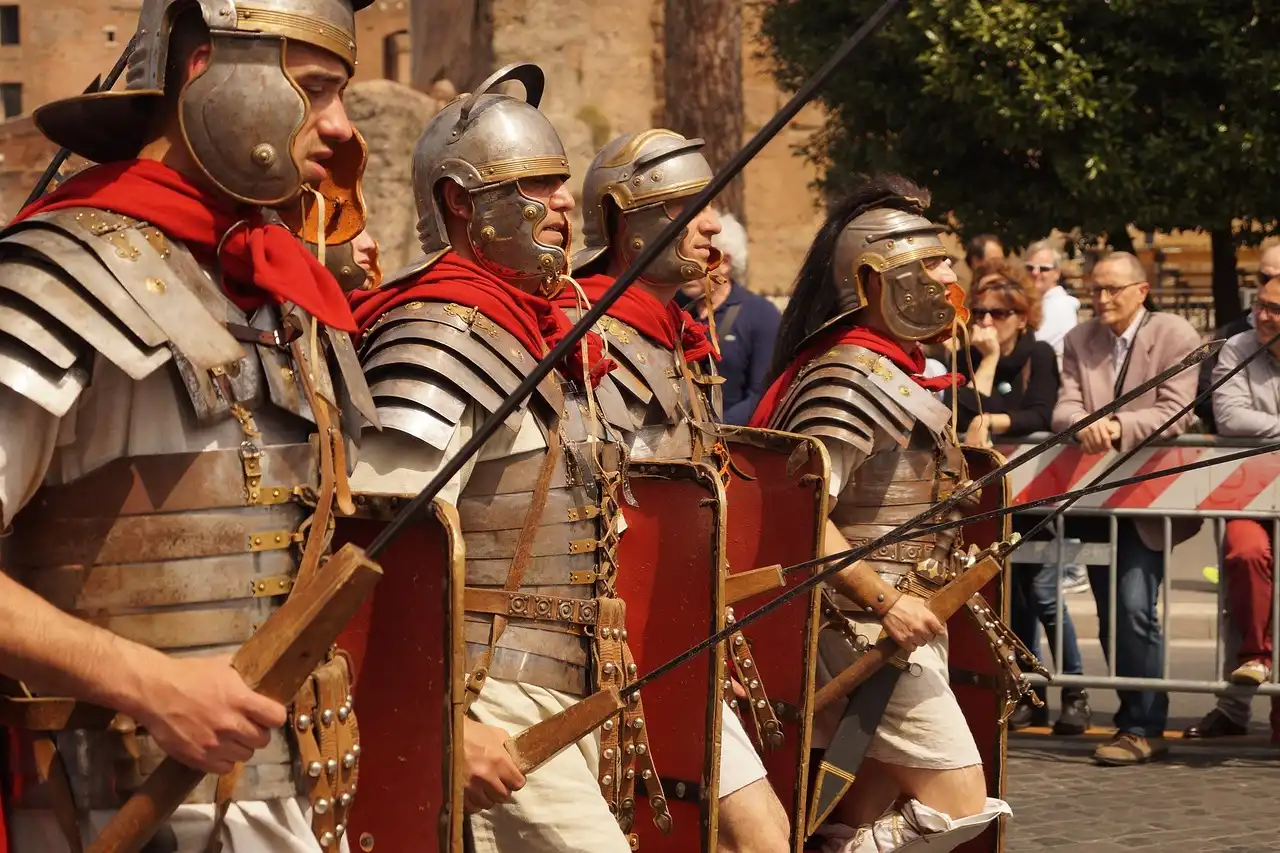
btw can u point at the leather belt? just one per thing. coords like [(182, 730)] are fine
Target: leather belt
[(542, 608), (909, 552), (103, 773)]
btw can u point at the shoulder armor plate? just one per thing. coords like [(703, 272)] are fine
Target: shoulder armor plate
[(849, 393), (79, 282), (425, 361)]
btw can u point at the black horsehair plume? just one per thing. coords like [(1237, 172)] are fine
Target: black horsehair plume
[(813, 299)]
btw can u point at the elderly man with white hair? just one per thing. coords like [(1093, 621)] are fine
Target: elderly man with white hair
[(746, 323), (1043, 261)]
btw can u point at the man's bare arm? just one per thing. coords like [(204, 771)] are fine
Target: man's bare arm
[(199, 709), (907, 619)]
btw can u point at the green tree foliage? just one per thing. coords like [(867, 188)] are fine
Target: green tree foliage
[(1026, 115)]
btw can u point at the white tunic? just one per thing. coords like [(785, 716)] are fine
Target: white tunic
[(923, 725)]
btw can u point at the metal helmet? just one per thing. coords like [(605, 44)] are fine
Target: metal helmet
[(486, 142), (895, 244), (239, 116), (640, 173)]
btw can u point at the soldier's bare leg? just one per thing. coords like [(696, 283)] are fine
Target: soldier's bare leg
[(957, 793), (753, 821)]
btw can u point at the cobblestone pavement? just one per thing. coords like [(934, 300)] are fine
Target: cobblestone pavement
[(1215, 799)]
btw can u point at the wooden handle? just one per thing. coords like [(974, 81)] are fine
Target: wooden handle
[(744, 585), (539, 743), (943, 604), (275, 661)]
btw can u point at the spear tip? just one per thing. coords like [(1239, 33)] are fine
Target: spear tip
[(1205, 350)]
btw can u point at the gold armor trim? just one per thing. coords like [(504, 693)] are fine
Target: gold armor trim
[(629, 151), (667, 193), (892, 260), (522, 167), (303, 28)]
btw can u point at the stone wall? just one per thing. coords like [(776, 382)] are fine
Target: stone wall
[(604, 77), (390, 117)]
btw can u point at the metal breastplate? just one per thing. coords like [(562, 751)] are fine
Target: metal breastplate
[(649, 396), (180, 551), (545, 641), (167, 551), (892, 487), (852, 397)]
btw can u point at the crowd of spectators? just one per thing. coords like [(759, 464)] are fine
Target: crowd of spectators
[(1031, 367)]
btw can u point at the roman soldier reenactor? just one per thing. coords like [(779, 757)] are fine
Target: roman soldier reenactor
[(876, 284), (540, 512), (177, 399), (664, 399), (664, 385)]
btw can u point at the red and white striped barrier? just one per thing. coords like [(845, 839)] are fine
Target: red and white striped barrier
[(1249, 485)]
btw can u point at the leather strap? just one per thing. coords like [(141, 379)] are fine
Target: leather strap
[(317, 536), (280, 338), (768, 729), (520, 560), (699, 413), (624, 740), (328, 747), (543, 608), (222, 801)]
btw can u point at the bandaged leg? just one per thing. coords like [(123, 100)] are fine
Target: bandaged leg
[(912, 826)]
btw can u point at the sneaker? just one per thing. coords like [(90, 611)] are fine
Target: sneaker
[(1076, 715), (1253, 673), (1127, 748), (1027, 715), (1075, 580)]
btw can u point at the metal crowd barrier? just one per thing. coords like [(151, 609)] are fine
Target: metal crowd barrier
[(1243, 489)]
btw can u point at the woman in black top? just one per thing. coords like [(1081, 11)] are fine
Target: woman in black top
[(1013, 378), (1013, 386)]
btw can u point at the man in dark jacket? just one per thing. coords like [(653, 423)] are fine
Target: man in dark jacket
[(746, 323)]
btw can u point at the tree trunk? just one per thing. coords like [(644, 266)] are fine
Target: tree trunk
[(1226, 284), (1119, 239), (702, 79), (452, 40)]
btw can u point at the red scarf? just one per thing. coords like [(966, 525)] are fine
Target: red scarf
[(913, 363), (259, 260), (642, 311), (531, 318)]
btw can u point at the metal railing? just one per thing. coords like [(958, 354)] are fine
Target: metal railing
[(1208, 494)]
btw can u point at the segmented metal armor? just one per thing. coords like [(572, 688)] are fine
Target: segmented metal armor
[(189, 550)]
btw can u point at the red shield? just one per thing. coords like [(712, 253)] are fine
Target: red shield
[(407, 650), (974, 670), (777, 518), (671, 560)]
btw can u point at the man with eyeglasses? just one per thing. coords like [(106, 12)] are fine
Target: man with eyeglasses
[(1124, 345), (1248, 406), (1043, 262), (1268, 267)]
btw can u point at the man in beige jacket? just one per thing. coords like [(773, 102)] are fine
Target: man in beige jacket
[(1124, 345)]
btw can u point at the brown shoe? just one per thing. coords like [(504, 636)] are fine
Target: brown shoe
[(1127, 748), (1215, 724)]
